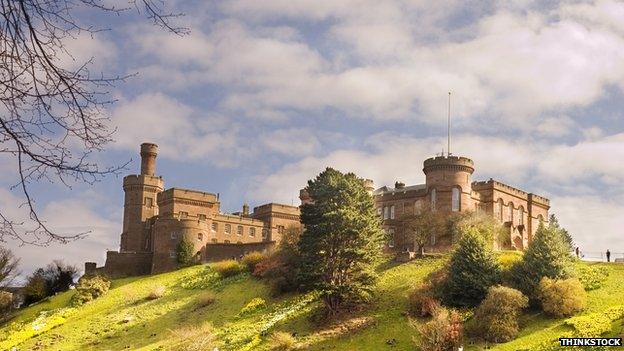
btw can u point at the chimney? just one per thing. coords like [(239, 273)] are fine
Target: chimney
[(148, 158), (399, 185), (245, 210)]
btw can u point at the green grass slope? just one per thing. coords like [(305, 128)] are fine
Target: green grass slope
[(124, 319)]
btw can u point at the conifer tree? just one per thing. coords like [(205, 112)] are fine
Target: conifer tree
[(565, 235), (342, 239), (185, 254), (472, 270), (548, 255)]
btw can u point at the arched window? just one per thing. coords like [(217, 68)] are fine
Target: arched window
[(521, 215), (500, 209), (434, 199), (200, 236), (386, 212), (392, 212), (391, 237), (455, 200), (511, 210), (417, 206)]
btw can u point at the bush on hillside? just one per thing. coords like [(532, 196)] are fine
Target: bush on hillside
[(185, 253), (496, 318), (472, 270), (546, 256), (507, 261), (442, 333), (206, 299), (89, 288), (228, 268), (6, 303), (255, 304), (280, 267), (421, 303), (562, 298), (251, 259), (157, 292), (281, 341)]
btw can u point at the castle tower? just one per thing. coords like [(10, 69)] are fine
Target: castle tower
[(449, 183), (140, 201)]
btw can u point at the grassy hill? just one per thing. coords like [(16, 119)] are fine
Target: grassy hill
[(124, 319)]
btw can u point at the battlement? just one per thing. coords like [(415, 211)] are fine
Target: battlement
[(275, 207), (539, 199), (173, 194), (445, 162), (496, 185)]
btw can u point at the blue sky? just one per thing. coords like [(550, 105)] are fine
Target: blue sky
[(262, 95)]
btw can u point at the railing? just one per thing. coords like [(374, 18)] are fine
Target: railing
[(599, 256)]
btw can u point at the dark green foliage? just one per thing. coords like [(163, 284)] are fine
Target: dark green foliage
[(89, 288), (547, 256), (472, 270), (342, 239), (280, 268), (54, 278), (185, 252), (496, 318)]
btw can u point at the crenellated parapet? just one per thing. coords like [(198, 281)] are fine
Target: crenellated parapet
[(448, 163)]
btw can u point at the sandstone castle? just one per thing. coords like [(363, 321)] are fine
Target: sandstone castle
[(155, 219)]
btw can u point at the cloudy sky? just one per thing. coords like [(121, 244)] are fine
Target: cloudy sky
[(262, 95)]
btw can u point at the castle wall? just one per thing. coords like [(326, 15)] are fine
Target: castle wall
[(126, 264), (278, 218)]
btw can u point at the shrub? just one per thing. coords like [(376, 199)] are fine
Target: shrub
[(496, 318), (422, 304), (443, 332), (281, 341), (252, 259), (472, 270), (195, 338), (157, 292), (90, 288), (546, 256), (595, 324), (255, 304), (185, 252), (205, 299), (280, 269), (592, 277), (561, 298), (228, 268), (6, 303)]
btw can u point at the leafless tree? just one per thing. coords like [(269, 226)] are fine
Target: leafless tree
[(51, 115), (419, 227), (8, 267)]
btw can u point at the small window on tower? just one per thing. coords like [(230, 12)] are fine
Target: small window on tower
[(215, 226), (149, 202), (265, 233), (392, 212), (228, 229), (252, 231), (200, 236), (183, 214), (202, 217), (239, 230)]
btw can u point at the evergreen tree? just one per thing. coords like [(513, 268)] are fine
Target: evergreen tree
[(185, 252), (341, 241), (472, 270), (548, 255), (567, 238)]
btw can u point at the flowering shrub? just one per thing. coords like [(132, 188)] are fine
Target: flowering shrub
[(561, 298), (281, 341), (17, 333), (253, 305), (422, 304), (251, 259), (592, 277), (442, 333), (90, 288)]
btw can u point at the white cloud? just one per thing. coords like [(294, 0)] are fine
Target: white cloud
[(291, 142), (85, 47)]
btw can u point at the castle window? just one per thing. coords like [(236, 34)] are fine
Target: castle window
[(281, 229), (200, 236), (183, 214), (252, 231), (214, 240), (392, 212), (172, 254), (239, 230), (215, 226), (511, 210), (228, 229), (434, 199), (379, 210), (202, 217), (174, 235), (265, 233), (433, 239), (391, 237), (417, 207), (521, 215), (149, 202), (386, 212), (499, 205), (455, 200)]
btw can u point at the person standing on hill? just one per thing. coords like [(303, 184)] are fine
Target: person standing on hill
[(608, 255), (577, 252)]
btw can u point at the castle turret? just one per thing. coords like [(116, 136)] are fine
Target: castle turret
[(140, 201), (448, 180)]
